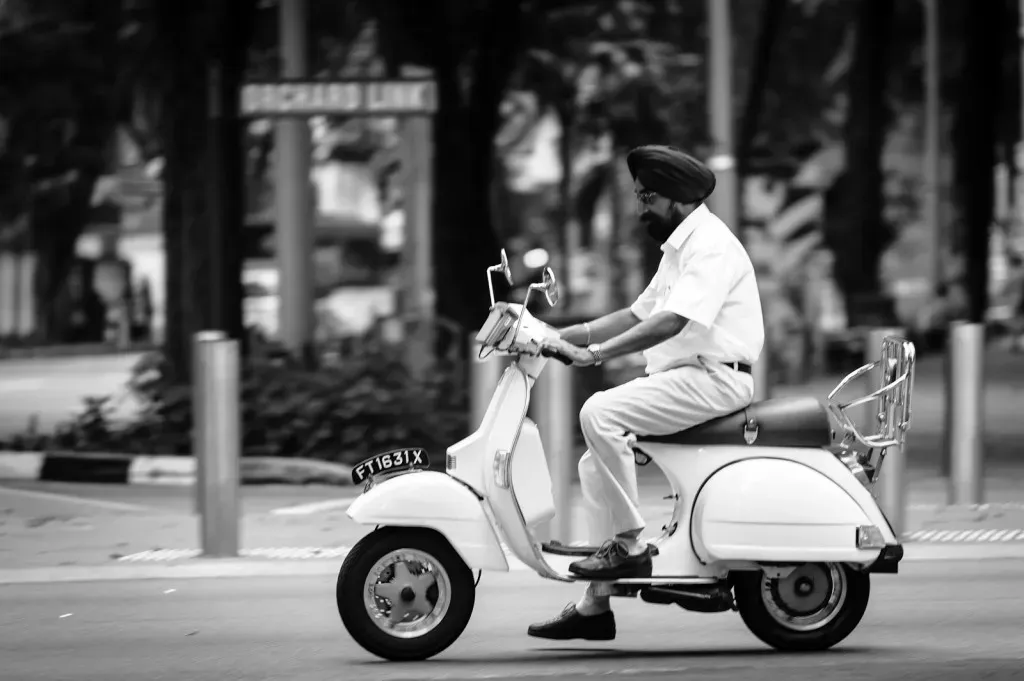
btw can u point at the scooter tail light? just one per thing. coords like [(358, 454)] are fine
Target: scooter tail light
[(502, 475), (870, 537)]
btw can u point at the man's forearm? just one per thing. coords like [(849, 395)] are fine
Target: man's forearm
[(644, 335), (601, 329)]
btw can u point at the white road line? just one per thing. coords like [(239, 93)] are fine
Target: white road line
[(71, 499), (315, 507)]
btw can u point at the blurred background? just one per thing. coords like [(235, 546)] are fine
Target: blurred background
[(876, 181)]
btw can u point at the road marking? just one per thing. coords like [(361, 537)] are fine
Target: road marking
[(67, 498), (315, 507), (983, 536), (1003, 506)]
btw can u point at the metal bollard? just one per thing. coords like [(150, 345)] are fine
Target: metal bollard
[(553, 411), (483, 377), (966, 419), (891, 489), (216, 440)]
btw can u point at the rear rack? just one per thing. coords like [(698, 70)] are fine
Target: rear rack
[(895, 387)]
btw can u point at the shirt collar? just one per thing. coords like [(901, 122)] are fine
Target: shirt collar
[(679, 235)]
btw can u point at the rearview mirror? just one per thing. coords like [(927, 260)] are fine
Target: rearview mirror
[(550, 286), (506, 269)]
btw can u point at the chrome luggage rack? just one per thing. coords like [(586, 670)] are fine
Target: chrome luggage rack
[(896, 386)]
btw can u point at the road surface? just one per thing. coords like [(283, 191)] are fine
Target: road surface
[(952, 621)]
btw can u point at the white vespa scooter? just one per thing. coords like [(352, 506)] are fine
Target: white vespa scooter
[(773, 516)]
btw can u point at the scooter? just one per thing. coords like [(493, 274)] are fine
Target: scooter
[(774, 515)]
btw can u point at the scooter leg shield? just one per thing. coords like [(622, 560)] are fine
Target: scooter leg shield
[(774, 510), (432, 499)]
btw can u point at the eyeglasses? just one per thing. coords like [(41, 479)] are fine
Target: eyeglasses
[(646, 197)]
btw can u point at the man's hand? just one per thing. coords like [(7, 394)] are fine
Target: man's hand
[(580, 357)]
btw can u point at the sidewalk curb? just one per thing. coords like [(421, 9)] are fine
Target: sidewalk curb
[(330, 561), (145, 469)]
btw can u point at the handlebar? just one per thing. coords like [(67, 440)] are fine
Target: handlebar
[(554, 354)]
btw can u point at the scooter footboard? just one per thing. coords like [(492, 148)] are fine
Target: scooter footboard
[(775, 510), (434, 500)]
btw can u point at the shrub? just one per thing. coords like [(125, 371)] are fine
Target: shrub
[(338, 411)]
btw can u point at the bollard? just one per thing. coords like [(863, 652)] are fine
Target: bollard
[(216, 440), (199, 408), (966, 420), (553, 411), (891, 484), (483, 377)]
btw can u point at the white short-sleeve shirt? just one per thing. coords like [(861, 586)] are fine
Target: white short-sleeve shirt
[(706, 276)]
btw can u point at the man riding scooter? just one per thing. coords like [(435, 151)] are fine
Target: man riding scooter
[(700, 327)]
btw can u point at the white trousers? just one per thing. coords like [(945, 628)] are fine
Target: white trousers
[(657, 404)]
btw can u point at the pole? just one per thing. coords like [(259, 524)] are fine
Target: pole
[(216, 441), (417, 262), (932, 141), (293, 201), (762, 387), (553, 410), (967, 416), (891, 483), (724, 202), (200, 408)]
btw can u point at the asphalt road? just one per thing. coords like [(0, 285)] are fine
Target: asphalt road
[(953, 620), (53, 389)]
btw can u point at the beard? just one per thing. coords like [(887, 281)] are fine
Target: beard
[(659, 228)]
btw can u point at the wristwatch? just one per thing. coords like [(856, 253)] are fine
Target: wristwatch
[(595, 351)]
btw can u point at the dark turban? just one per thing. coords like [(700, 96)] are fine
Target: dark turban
[(671, 173)]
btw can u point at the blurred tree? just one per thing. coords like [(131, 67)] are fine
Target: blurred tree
[(470, 46), (58, 97), (978, 100), (859, 234), (172, 50)]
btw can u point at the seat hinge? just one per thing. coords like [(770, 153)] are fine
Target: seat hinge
[(750, 428)]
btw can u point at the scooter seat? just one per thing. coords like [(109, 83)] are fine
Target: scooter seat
[(781, 422)]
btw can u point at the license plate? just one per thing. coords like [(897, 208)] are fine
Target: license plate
[(390, 462)]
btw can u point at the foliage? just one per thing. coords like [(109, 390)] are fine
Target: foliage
[(342, 412), (57, 110)]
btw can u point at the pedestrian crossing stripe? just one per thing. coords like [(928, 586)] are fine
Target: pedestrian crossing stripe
[(982, 536)]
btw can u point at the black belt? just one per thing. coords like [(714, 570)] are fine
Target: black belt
[(739, 366)]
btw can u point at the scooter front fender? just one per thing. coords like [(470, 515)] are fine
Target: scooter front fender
[(432, 499)]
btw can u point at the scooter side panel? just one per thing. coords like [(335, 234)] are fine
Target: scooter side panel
[(777, 510), (434, 500)]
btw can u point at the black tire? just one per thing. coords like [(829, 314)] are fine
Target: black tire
[(764, 625), (360, 624)]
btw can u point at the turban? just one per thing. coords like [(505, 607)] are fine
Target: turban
[(671, 173)]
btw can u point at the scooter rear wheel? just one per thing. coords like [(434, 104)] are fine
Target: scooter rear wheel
[(404, 594), (814, 608)]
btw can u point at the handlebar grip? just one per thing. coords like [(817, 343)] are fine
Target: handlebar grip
[(548, 352)]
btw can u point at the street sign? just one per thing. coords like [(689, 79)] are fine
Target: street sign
[(351, 98)]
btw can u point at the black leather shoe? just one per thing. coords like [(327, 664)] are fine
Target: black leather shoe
[(612, 561), (572, 625)]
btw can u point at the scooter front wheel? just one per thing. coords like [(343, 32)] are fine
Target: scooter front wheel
[(405, 594), (813, 608)]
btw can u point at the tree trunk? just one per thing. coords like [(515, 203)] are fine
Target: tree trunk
[(975, 133), (858, 236), (203, 207), (463, 162), (565, 199), (771, 20)]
